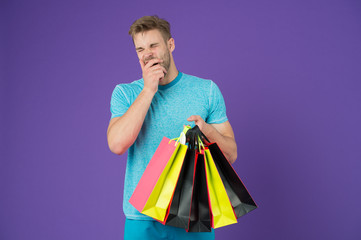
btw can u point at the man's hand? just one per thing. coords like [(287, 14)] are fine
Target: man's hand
[(153, 72), (198, 121)]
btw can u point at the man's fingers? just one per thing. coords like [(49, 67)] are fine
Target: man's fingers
[(152, 62), (193, 118), (163, 69), (159, 67)]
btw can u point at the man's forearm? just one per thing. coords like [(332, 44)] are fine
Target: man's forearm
[(124, 131), (226, 143)]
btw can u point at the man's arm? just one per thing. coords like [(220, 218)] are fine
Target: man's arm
[(123, 131), (221, 133)]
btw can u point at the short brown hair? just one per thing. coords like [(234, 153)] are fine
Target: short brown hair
[(147, 23)]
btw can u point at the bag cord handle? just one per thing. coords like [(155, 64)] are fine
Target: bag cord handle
[(194, 137)]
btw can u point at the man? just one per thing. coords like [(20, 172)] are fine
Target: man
[(158, 105)]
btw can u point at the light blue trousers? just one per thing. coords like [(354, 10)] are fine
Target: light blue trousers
[(144, 230)]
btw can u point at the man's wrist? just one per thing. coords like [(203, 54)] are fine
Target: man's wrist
[(148, 91)]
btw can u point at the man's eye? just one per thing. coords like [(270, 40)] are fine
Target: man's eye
[(140, 50)]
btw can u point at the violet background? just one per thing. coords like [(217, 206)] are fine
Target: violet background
[(290, 75)]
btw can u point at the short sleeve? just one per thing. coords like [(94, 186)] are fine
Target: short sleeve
[(217, 107), (119, 102)]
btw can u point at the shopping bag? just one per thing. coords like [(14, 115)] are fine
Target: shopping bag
[(200, 218), (165, 153), (241, 200), (220, 205), (158, 201), (179, 209)]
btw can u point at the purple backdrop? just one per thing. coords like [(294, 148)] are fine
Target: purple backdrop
[(290, 75)]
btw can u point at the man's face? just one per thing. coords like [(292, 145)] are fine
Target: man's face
[(151, 44)]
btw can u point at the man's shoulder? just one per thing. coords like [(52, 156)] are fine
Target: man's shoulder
[(134, 86), (194, 80), (198, 84)]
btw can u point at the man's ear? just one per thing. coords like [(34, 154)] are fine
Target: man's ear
[(171, 45)]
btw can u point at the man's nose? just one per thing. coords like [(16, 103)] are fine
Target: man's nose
[(148, 52)]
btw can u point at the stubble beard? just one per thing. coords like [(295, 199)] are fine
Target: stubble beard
[(166, 61)]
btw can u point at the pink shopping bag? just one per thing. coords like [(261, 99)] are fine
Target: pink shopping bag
[(165, 151)]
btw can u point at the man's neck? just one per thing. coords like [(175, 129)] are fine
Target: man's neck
[(172, 74)]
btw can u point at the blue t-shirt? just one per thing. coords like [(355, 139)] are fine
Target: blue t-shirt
[(172, 104)]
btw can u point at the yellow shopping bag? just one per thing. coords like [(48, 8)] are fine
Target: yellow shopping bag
[(158, 201), (221, 208)]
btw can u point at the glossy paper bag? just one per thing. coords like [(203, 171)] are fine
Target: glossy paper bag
[(165, 152), (200, 217), (221, 208), (179, 209), (241, 200), (158, 201)]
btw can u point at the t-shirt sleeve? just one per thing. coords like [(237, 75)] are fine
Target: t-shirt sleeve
[(119, 102), (217, 107)]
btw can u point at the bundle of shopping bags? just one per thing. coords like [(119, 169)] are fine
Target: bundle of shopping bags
[(190, 184)]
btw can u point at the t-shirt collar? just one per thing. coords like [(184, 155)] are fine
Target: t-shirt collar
[(172, 83)]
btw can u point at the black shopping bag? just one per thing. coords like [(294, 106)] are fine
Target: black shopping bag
[(179, 209), (200, 217), (241, 200)]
